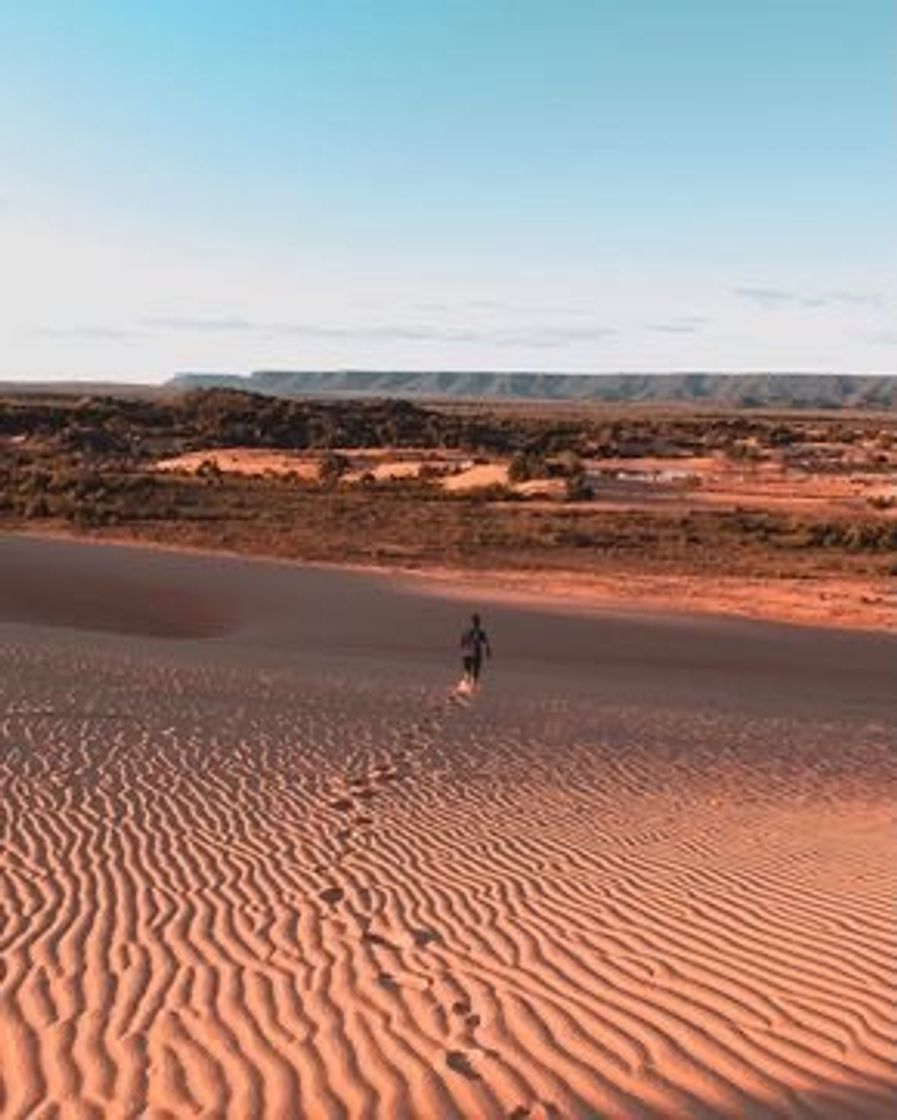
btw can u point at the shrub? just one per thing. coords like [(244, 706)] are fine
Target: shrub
[(331, 468), (578, 489), (37, 507), (526, 465), (209, 469)]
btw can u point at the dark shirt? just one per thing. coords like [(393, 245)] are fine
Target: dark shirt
[(474, 641)]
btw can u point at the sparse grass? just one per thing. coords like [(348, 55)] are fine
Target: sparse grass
[(87, 465)]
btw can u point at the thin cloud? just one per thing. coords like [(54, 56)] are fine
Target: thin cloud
[(503, 307), (102, 334), (775, 299), (688, 325), (549, 335), (190, 323), (858, 299)]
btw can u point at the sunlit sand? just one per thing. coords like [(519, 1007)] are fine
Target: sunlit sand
[(262, 857)]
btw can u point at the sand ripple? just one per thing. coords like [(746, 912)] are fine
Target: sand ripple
[(292, 893)]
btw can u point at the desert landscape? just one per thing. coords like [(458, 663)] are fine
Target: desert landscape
[(786, 515), (260, 859), (448, 561)]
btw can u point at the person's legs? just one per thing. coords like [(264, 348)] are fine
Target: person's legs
[(476, 665)]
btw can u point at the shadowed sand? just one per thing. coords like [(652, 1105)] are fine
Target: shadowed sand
[(258, 859)]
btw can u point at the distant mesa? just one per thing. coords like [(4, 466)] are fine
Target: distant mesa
[(758, 390)]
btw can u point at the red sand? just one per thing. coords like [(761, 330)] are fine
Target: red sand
[(263, 861)]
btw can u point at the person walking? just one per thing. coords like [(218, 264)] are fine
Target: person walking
[(474, 644)]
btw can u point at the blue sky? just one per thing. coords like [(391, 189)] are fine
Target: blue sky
[(495, 184)]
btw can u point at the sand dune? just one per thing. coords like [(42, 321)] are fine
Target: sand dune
[(269, 864)]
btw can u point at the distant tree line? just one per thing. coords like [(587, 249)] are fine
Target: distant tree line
[(125, 429)]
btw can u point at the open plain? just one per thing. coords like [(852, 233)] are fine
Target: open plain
[(786, 516), (260, 860)]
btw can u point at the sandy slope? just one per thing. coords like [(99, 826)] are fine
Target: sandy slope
[(269, 865), (845, 602)]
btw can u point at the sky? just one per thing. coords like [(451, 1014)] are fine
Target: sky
[(570, 185)]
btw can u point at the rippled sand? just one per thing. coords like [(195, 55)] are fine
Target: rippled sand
[(262, 860)]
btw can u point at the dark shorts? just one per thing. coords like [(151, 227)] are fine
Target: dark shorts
[(472, 665)]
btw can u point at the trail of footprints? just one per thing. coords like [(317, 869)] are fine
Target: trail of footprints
[(352, 923), (352, 801)]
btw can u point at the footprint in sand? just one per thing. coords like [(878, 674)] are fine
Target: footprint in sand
[(458, 1061), (382, 942), (332, 895), (424, 937), (549, 1112), (471, 1020), (343, 804)]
